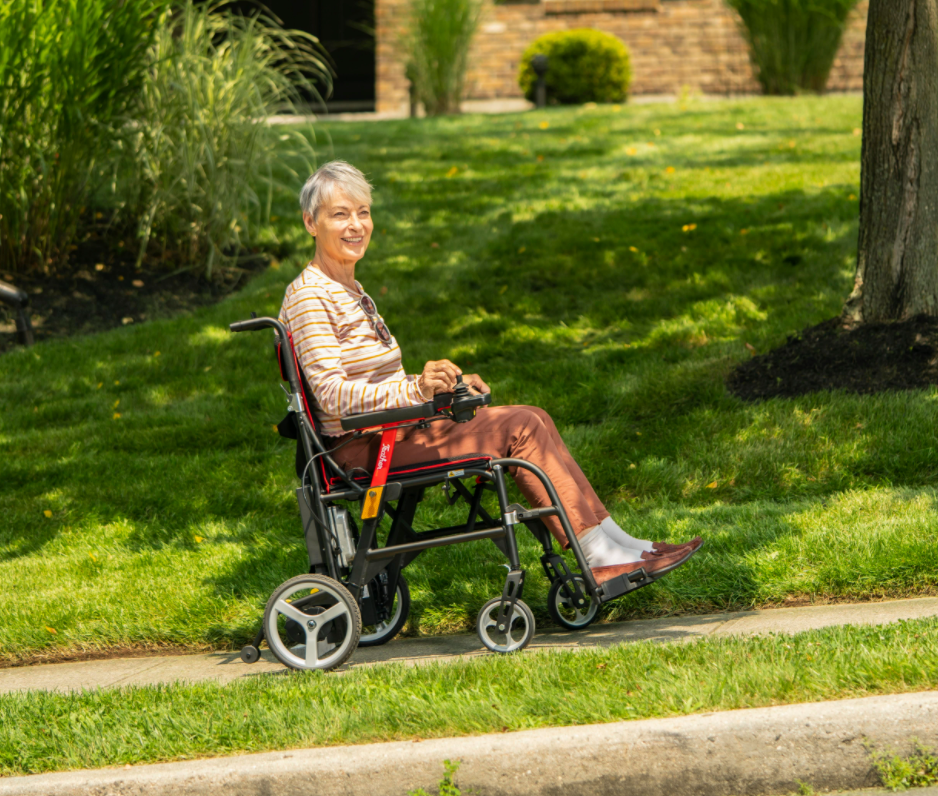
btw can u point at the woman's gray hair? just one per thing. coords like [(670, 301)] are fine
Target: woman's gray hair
[(337, 175)]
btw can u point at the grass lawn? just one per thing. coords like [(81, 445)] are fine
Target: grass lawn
[(609, 264), (40, 731)]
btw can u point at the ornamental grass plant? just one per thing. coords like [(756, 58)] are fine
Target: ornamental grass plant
[(71, 72), (793, 43), (436, 40), (199, 169), (154, 116)]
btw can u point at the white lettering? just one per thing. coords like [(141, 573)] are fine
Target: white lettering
[(383, 456)]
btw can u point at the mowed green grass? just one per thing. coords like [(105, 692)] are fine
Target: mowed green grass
[(609, 264), (41, 731)]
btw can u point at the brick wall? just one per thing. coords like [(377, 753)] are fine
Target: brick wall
[(673, 44)]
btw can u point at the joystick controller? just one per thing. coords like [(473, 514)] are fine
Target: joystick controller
[(465, 403)]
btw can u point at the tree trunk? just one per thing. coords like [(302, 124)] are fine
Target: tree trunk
[(897, 254)]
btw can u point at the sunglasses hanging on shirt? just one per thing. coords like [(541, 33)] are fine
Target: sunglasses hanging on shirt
[(381, 330)]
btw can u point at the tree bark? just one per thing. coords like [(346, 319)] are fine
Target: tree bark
[(897, 252)]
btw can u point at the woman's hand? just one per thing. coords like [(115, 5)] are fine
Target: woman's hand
[(476, 385), (438, 376)]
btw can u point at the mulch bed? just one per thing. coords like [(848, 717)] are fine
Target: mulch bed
[(101, 290), (870, 358)]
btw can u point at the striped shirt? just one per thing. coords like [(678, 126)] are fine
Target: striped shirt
[(348, 368)]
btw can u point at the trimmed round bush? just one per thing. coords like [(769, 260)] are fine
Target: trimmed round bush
[(584, 65)]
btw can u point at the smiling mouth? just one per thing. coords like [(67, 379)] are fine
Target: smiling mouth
[(353, 240)]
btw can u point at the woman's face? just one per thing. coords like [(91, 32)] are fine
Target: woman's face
[(342, 229)]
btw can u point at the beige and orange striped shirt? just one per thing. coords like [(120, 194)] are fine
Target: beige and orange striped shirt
[(348, 367)]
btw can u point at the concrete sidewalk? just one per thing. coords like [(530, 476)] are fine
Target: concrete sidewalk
[(753, 752), (227, 666)]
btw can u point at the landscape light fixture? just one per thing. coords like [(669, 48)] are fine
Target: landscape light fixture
[(19, 300)]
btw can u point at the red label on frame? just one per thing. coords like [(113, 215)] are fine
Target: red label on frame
[(385, 451)]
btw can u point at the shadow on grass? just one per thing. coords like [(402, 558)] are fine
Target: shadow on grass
[(573, 319), (593, 283), (561, 310)]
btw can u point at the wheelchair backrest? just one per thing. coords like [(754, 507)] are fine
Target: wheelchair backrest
[(285, 348)]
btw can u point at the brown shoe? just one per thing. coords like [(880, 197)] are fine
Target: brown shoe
[(655, 566), (666, 549)]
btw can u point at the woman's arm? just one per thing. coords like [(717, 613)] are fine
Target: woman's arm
[(311, 321)]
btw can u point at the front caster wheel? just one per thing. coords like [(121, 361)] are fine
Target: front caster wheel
[(312, 622), (517, 632), (564, 611)]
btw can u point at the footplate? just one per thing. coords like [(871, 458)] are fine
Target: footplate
[(623, 585)]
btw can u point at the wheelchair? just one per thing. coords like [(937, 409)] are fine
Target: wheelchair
[(355, 593)]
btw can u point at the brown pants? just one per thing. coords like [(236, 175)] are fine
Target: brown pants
[(522, 432)]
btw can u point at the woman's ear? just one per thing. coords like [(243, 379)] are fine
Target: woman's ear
[(309, 224)]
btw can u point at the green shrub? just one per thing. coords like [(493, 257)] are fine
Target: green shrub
[(202, 148), (918, 770), (446, 786), (70, 71), (793, 43), (436, 41), (584, 65)]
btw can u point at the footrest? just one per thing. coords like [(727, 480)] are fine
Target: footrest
[(624, 584)]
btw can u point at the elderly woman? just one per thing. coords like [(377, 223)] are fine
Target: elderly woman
[(353, 365)]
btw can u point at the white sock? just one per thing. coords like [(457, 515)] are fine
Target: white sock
[(601, 551), (621, 538)]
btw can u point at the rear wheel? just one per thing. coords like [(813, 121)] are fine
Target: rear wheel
[(384, 631), (312, 622)]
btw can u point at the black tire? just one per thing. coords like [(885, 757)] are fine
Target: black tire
[(324, 597), (515, 637), (562, 610), (376, 635), (250, 654)]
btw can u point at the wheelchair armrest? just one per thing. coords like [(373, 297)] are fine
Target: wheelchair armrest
[(387, 416), (444, 400)]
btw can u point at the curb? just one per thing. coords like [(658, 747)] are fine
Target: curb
[(742, 752)]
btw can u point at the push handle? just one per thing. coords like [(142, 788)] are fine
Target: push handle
[(253, 324)]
